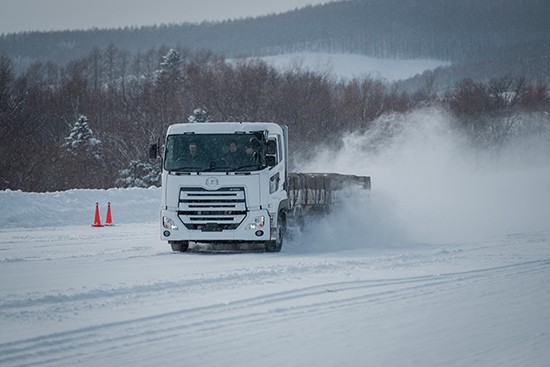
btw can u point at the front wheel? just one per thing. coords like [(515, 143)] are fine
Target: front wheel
[(179, 246), (277, 244)]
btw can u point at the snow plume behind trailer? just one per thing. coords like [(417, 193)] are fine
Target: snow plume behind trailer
[(431, 185)]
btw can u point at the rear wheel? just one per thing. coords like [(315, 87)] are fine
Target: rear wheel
[(277, 244), (179, 246)]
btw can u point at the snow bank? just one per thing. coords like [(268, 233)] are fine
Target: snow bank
[(76, 207)]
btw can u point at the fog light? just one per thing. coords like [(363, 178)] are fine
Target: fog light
[(259, 233), (166, 233)]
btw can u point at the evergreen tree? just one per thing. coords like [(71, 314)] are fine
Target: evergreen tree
[(81, 140), (199, 115), (171, 68)]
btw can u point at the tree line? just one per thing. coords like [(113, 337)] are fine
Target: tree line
[(510, 35), (127, 102)]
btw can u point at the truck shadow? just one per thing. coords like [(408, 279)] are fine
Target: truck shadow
[(225, 248)]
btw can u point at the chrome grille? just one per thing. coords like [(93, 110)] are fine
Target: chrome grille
[(212, 210)]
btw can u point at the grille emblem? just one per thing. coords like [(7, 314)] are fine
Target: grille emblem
[(212, 181)]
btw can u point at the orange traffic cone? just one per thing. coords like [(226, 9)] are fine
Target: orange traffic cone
[(97, 220), (109, 219)]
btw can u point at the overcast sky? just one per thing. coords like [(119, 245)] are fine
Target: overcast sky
[(45, 15)]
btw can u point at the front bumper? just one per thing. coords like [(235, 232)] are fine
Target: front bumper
[(254, 227)]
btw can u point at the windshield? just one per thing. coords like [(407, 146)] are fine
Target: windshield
[(214, 152)]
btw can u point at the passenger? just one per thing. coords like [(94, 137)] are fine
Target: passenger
[(249, 151), (234, 157), (233, 149), (252, 149)]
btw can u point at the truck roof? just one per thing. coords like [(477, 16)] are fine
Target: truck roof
[(223, 127)]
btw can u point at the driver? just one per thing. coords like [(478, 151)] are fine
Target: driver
[(193, 151)]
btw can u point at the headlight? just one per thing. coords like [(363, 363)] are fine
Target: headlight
[(258, 222), (168, 223)]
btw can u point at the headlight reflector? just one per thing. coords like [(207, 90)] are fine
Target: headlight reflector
[(168, 223), (257, 222)]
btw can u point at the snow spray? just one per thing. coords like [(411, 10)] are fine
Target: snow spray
[(431, 185)]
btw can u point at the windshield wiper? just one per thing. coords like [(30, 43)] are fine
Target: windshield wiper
[(248, 166), (182, 169), (210, 169)]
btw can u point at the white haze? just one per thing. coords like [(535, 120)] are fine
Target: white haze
[(429, 185)]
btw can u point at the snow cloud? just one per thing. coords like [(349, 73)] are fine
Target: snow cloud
[(430, 185)]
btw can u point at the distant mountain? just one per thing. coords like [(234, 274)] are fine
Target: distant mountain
[(486, 36)]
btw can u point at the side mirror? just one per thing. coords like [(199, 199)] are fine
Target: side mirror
[(153, 151)]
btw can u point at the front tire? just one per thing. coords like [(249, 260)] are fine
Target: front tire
[(277, 244), (179, 246)]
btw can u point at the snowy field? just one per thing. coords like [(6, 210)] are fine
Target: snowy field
[(445, 263), (349, 66)]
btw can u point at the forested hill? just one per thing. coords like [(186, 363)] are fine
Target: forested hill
[(450, 30), (85, 113)]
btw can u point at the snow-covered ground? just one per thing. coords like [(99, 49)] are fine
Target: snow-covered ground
[(349, 66), (445, 263)]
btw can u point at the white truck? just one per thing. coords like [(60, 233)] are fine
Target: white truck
[(228, 183)]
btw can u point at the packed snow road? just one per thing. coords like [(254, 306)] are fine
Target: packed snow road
[(117, 296)]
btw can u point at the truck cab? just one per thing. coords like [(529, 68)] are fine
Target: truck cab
[(224, 182)]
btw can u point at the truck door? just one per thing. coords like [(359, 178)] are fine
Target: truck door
[(273, 161), (277, 172)]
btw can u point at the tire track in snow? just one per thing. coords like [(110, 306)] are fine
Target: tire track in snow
[(69, 346)]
